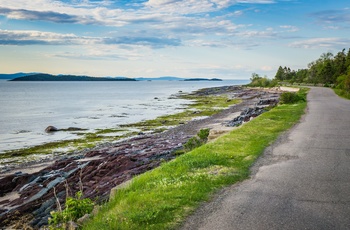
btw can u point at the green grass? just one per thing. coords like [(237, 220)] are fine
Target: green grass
[(164, 197), (342, 93)]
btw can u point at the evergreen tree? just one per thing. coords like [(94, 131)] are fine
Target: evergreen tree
[(280, 74)]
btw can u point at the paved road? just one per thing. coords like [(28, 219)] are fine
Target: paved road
[(302, 182)]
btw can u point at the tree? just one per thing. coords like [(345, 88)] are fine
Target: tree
[(280, 74), (327, 73)]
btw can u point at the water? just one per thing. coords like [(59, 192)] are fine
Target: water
[(27, 108)]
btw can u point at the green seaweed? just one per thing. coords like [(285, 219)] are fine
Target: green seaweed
[(200, 106)]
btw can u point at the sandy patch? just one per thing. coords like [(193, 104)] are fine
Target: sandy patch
[(289, 89)]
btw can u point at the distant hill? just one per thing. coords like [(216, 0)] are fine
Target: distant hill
[(203, 79), (165, 78), (14, 75), (169, 78), (49, 77), (65, 77)]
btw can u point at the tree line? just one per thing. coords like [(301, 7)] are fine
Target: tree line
[(328, 70)]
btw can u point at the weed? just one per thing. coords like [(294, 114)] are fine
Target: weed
[(196, 141), (76, 207)]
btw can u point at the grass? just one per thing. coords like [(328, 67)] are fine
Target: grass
[(342, 93), (164, 197)]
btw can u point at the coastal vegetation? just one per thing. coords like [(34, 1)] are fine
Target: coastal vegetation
[(198, 106), (328, 70), (196, 141), (201, 106), (75, 208), (163, 197)]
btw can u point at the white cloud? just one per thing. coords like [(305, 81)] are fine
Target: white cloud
[(198, 6), (266, 68), (28, 37), (20, 37), (314, 43), (290, 28)]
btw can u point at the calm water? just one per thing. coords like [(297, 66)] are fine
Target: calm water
[(27, 108)]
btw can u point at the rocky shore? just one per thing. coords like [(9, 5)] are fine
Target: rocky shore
[(28, 196)]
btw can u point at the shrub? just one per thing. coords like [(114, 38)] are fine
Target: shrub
[(203, 134), (292, 98), (76, 207), (196, 141), (192, 143)]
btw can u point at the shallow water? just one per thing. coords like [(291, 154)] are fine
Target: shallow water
[(27, 108)]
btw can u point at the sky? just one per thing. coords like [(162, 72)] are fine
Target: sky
[(227, 39)]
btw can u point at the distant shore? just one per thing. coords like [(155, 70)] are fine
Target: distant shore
[(65, 77)]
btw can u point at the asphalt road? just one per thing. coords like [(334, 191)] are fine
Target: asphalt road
[(301, 182)]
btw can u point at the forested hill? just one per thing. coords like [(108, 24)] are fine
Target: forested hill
[(49, 77)]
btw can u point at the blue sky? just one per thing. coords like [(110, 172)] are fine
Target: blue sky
[(228, 39)]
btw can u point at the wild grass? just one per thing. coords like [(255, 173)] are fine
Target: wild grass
[(342, 93), (163, 197)]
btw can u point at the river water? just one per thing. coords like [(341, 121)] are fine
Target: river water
[(27, 108)]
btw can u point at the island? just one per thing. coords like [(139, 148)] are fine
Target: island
[(203, 79), (49, 77)]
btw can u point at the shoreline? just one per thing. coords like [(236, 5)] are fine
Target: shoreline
[(85, 105), (96, 168)]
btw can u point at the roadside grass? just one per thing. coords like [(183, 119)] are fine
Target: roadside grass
[(342, 93), (164, 197)]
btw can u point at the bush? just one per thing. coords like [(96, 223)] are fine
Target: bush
[(203, 134), (292, 98), (195, 142), (76, 207)]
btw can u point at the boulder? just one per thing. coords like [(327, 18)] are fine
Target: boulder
[(51, 128)]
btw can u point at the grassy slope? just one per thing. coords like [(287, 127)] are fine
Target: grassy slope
[(342, 93), (162, 198)]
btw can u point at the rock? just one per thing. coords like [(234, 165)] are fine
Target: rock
[(120, 186), (245, 116), (95, 210), (83, 219), (72, 225), (51, 128), (269, 101)]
